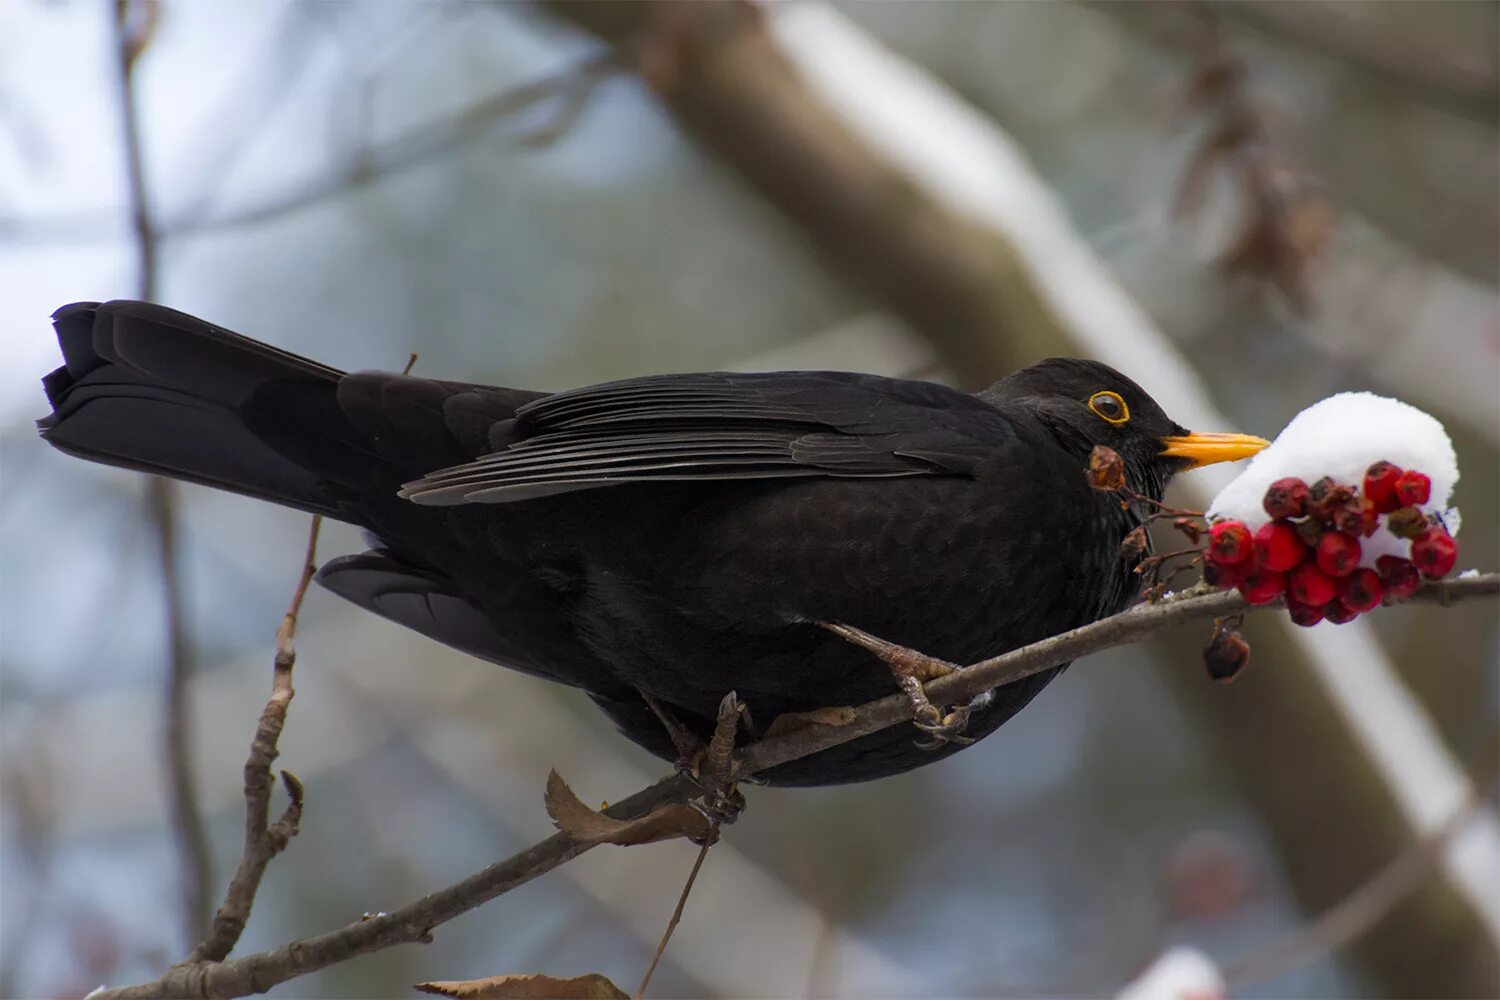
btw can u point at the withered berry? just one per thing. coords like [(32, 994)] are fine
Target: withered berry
[(1310, 585), (1324, 496), (1283, 547), (1380, 486), (1355, 516), (1434, 552), (1106, 468), (1226, 655), (1406, 522), (1229, 542), (1337, 554), (1413, 488), (1399, 577), (1361, 590), (1310, 530), (1286, 498)]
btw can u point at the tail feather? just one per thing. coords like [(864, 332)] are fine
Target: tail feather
[(152, 389)]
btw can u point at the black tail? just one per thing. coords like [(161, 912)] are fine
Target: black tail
[(152, 389)]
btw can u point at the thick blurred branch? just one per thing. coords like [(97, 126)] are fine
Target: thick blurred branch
[(415, 922), (954, 280), (134, 24)]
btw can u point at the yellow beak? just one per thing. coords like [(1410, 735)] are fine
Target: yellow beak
[(1207, 449)]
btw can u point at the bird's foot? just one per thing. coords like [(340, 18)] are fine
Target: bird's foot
[(712, 768), (950, 727), (912, 671)]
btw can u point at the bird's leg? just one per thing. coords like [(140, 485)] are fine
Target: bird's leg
[(709, 765), (684, 741), (715, 764), (912, 670)]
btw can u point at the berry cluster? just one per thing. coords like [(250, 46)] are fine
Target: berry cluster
[(1310, 549)]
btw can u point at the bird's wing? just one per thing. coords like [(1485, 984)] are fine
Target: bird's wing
[(719, 426)]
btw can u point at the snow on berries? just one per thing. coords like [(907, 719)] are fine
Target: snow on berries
[(1346, 509)]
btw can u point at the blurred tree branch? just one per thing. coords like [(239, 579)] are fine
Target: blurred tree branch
[(134, 23), (416, 921)]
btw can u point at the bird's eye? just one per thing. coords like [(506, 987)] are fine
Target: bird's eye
[(1110, 406)]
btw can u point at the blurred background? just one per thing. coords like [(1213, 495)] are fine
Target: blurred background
[(1245, 206)]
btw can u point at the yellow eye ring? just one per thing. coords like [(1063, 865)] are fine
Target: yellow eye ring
[(1109, 407)]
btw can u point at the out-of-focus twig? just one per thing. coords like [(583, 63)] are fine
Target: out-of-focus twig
[(420, 144), (1362, 909), (264, 839), (1287, 220), (134, 24), (661, 948), (415, 922)]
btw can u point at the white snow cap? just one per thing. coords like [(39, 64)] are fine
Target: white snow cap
[(1342, 436), (1179, 973)]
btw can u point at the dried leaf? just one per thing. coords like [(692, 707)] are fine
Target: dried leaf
[(791, 722), (528, 987), (586, 826)]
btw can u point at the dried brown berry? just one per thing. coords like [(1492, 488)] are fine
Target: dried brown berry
[(1326, 495), (1134, 545), (1407, 522), (1106, 468), (1355, 517), (1226, 654), (1310, 530)]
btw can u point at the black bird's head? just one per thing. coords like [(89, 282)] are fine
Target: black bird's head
[(1086, 403)]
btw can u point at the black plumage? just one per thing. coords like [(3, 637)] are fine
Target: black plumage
[(678, 535)]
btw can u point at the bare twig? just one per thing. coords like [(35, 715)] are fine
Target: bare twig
[(1362, 909), (134, 23), (415, 922), (263, 839), (676, 918), (411, 148)]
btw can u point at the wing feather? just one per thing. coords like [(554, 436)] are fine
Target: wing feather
[(718, 426)]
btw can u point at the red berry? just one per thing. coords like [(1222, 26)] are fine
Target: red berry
[(1310, 585), (1306, 615), (1380, 486), (1229, 542), (1413, 488), (1339, 613), (1338, 554), (1286, 498), (1218, 575), (1361, 590), (1282, 546), (1399, 577), (1263, 586), (1434, 552)]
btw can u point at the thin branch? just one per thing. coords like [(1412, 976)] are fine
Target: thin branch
[(415, 922), (1359, 911), (661, 948), (263, 839), (134, 23), (420, 144)]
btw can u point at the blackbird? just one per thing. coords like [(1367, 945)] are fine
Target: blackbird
[(673, 536)]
